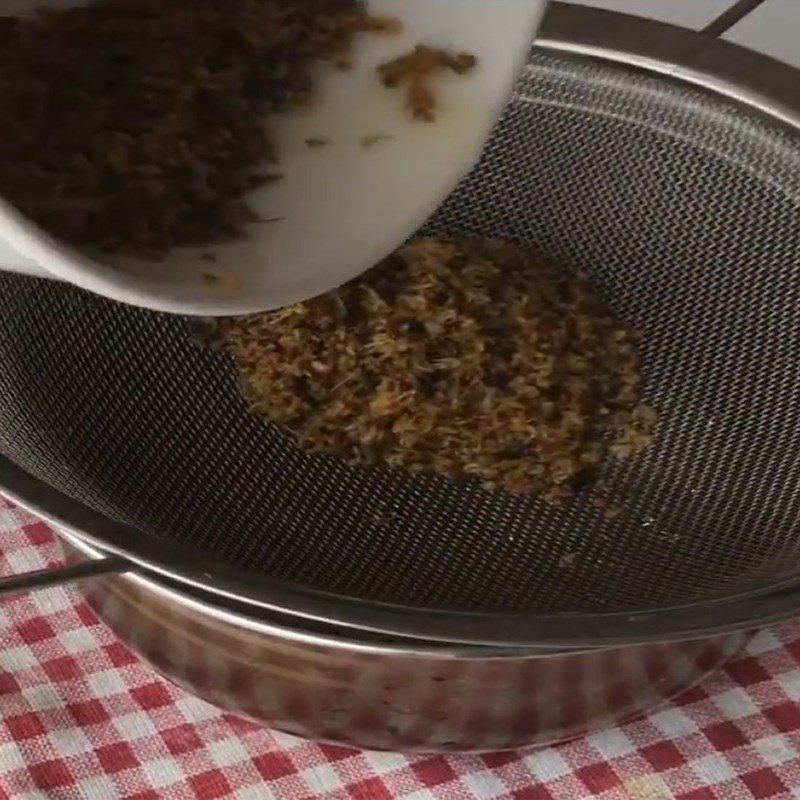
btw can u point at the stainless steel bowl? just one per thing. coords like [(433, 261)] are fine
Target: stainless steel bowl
[(380, 693)]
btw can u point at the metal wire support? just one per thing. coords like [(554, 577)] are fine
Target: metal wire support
[(736, 13), (44, 578)]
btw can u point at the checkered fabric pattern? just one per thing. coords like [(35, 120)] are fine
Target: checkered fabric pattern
[(80, 717)]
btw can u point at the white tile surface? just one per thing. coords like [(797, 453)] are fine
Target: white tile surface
[(95, 788), (735, 704), (11, 756), (162, 772), (136, 725), (772, 29), (775, 750), (485, 785), (69, 742), (688, 13), (106, 683), (612, 743), (712, 769), (547, 765)]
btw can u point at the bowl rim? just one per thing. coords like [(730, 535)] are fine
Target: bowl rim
[(247, 597)]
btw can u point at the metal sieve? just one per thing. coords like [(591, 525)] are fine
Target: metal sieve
[(665, 166)]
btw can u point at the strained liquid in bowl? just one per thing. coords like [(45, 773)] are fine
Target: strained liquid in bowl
[(679, 206)]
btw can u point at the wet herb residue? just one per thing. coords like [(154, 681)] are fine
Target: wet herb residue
[(469, 359), (136, 126), (370, 140), (415, 71)]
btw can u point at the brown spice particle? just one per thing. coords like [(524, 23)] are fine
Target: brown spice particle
[(415, 70), (369, 141), (227, 283), (317, 141), (610, 508), (390, 26), (470, 359)]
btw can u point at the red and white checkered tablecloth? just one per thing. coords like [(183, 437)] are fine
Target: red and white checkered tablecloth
[(80, 717)]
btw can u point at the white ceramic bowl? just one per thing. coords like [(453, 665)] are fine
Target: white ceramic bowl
[(342, 207)]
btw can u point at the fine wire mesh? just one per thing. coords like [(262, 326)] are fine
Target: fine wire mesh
[(682, 208)]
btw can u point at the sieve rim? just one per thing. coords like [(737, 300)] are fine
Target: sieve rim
[(754, 79), (369, 618), (757, 82)]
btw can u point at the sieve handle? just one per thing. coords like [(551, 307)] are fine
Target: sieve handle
[(736, 13), (44, 578)]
